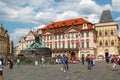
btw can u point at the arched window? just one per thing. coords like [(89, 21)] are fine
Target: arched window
[(105, 32), (82, 44), (106, 43), (100, 33), (100, 43), (112, 32), (112, 42)]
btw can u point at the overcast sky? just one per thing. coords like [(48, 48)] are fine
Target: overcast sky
[(20, 16)]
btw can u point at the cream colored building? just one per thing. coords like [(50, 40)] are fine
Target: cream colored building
[(107, 35), (72, 37)]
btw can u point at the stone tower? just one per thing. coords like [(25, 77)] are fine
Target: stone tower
[(107, 35)]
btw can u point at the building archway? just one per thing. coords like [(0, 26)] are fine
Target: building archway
[(107, 55)]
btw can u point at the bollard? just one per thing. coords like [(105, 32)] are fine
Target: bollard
[(36, 63)]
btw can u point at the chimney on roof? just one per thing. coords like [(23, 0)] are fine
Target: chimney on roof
[(106, 17)]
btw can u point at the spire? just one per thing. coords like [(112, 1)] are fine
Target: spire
[(106, 17)]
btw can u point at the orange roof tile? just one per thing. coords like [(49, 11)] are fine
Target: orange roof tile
[(61, 26), (65, 23)]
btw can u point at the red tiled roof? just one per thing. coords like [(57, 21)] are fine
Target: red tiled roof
[(62, 26), (70, 22)]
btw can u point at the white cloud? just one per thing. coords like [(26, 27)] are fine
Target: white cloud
[(67, 15), (17, 34), (45, 17), (116, 5), (38, 27), (44, 12), (117, 19)]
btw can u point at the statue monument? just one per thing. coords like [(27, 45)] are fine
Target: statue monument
[(36, 50)]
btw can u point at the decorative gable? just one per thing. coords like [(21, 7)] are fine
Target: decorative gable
[(72, 30), (47, 33), (84, 26)]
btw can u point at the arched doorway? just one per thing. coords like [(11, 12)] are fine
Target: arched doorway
[(107, 55)]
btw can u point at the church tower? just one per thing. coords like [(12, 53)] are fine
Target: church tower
[(107, 35)]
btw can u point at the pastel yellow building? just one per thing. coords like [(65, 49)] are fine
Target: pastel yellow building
[(107, 36)]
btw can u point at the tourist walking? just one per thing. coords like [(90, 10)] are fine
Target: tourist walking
[(43, 62), (89, 61), (66, 63), (82, 59), (1, 70), (93, 60), (114, 63), (64, 60), (11, 63), (18, 62)]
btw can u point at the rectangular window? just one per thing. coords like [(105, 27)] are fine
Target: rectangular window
[(87, 34), (82, 34), (59, 36), (59, 45), (77, 44), (87, 44), (72, 45), (55, 46), (51, 46), (63, 45), (82, 44), (68, 35), (63, 36), (55, 36), (76, 35), (73, 35), (68, 45)]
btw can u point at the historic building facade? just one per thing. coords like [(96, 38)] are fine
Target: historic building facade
[(71, 37), (25, 41), (107, 35), (5, 45)]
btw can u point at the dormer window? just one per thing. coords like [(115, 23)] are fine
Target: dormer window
[(84, 26)]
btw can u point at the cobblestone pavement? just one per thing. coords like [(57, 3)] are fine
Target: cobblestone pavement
[(101, 71)]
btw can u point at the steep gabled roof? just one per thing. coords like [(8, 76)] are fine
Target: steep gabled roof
[(106, 17)]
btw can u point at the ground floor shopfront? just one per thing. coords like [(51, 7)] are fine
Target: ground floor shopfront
[(73, 53)]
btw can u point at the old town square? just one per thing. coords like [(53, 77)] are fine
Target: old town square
[(101, 71), (59, 40)]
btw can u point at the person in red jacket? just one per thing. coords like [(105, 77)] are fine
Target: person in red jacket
[(114, 62)]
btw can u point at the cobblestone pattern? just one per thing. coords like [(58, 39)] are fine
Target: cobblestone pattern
[(101, 71)]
